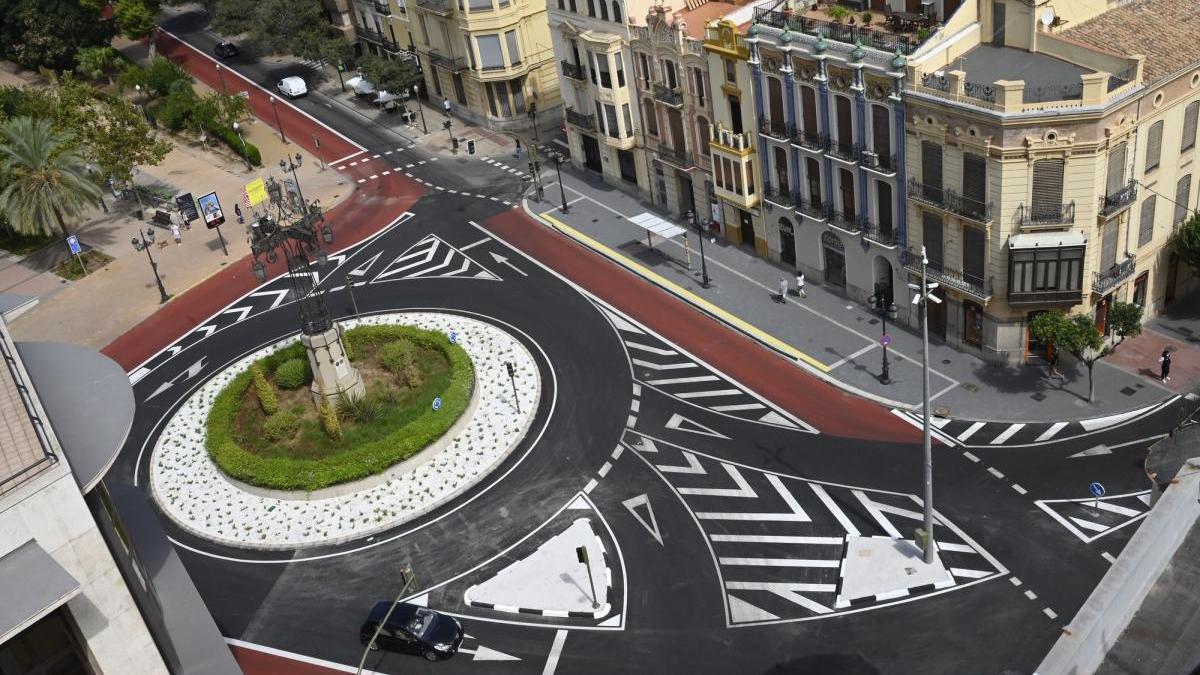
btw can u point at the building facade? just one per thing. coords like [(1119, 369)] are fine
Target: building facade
[(492, 59), (382, 27)]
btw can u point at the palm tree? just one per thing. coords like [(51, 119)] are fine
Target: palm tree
[(43, 176)]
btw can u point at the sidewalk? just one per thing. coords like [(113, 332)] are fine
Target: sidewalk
[(839, 339)]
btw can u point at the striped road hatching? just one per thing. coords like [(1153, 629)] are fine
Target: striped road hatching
[(1090, 519), (669, 369), (434, 258), (779, 542)]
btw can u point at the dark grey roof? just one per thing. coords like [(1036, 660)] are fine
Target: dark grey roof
[(10, 302), (88, 399), (1046, 78), (33, 586)]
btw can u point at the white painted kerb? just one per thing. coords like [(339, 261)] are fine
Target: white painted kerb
[(195, 494)]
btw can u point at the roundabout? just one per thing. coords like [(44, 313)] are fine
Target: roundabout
[(203, 500)]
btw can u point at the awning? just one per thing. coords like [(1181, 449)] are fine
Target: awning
[(1047, 240), (655, 225), (39, 585), (89, 401)]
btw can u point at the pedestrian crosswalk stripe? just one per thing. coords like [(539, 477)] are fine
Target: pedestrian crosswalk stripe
[(1008, 433), (970, 431), (706, 394), (663, 366), (781, 539), (778, 562), (1050, 433)]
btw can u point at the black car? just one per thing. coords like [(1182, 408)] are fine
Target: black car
[(225, 50), (413, 629)]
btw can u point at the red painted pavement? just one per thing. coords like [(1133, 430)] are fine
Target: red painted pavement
[(254, 662), (813, 400)]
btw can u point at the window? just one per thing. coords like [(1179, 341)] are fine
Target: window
[(884, 207), (402, 6), (1146, 222), (702, 129), (491, 96), (973, 254), (617, 11), (603, 10), (1189, 126), (620, 69), (424, 29), (574, 9), (881, 131), (479, 5), (931, 171), (625, 114), (1116, 169), (698, 79), (490, 56), (669, 74), (514, 52), (1154, 146), (1045, 269), (602, 67), (645, 63), (931, 237), (730, 72), (561, 4), (591, 7), (592, 67), (651, 117), (517, 87), (610, 117), (1183, 192), (1047, 188)]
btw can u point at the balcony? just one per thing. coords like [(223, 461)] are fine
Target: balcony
[(680, 158), (777, 196), (573, 71), (383, 8), (374, 36), (810, 140), (847, 222), (878, 162), (963, 282), (667, 95), (442, 7), (1053, 214), (585, 122), (1113, 204), (844, 150), (775, 129), (972, 209), (453, 64), (924, 193), (722, 139), (1055, 297), (1103, 282), (880, 234), (812, 208)]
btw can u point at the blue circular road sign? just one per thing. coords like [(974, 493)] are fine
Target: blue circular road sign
[(1097, 489)]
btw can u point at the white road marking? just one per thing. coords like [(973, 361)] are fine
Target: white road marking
[(706, 394), (954, 547), (374, 176), (692, 467), (786, 495), (969, 574), (1008, 433), (781, 539), (587, 489), (873, 509), (663, 366), (743, 488), (971, 457), (1049, 612), (779, 562), (1110, 420), (616, 453), (1031, 595), (1108, 556), (1089, 525), (1015, 581), (970, 431), (652, 350), (851, 357), (652, 525), (362, 180), (605, 469), (635, 405), (555, 652), (788, 591), (1051, 432), (835, 510), (1121, 510), (995, 472), (1020, 490), (738, 406), (386, 173), (685, 380), (473, 245)]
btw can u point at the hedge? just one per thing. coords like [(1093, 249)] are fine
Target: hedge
[(293, 374), (229, 137), (287, 473)]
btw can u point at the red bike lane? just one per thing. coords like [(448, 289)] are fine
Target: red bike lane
[(812, 399)]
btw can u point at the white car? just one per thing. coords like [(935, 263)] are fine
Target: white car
[(292, 87)]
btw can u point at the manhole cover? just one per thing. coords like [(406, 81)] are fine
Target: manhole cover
[(1129, 391), (1038, 396), (941, 411), (970, 387), (873, 321), (946, 362)]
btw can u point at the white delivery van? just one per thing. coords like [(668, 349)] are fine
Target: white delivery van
[(292, 87)]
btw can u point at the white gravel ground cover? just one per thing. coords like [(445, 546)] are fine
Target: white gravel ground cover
[(200, 498)]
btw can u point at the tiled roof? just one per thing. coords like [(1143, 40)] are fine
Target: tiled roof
[(1166, 31)]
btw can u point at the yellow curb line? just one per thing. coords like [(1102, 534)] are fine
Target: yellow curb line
[(678, 290)]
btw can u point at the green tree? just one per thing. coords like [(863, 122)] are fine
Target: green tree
[(391, 75), (297, 27), (162, 74), (136, 19), (48, 33), (226, 108), (1186, 242), (96, 62), (45, 175), (118, 138), (1077, 335)]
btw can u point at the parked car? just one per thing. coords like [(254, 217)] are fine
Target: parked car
[(360, 85), (292, 87), (225, 50), (413, 629)]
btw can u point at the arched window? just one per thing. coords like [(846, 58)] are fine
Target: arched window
[(617, 11), (603, 10)]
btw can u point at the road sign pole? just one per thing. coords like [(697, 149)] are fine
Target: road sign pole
[(222, 239), (582, 553), (513, 379), (353, 300)]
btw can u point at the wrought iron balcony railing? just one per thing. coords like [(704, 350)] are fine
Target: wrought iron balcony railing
[(383, 7), (453, 64), (1112, 204), (965, 282), (573, 71), (883, 163), (926, 194), (680, 158), (443, 7), (777, 196), (1103, 282), (665, 94), (776, 129), (980, 212), (845, 150), (810, 140), (372, 35), (1054, 297), (1053, 214), (580, 120), (813, 208), (845, 221), (883, 234)]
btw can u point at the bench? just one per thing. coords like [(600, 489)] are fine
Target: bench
[(161, 218)]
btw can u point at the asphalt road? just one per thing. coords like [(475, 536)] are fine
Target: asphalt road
[(701, 495)]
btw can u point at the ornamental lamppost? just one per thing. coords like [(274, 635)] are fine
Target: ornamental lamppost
[(142, 242), (558, 161), (694, 218), (887, 310), (287, 165), (333, 376)]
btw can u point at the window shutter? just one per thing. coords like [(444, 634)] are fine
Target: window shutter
[(490, 55), (1189, 126), (514, 52), (973, 254), (808, 101), (1116, 169), (931, 237), (931, 164), (1146, 223), (1108, 246), (881, 130), (975, 178), (845, 126), (1183, 192), (884, 193), (1047, 187), (1154, 146)]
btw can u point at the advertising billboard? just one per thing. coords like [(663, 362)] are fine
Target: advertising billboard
[(210, 208)]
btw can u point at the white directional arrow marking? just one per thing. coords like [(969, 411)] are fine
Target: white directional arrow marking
[(1101, 449), (504, 261), (242, 312), (652, 526), (361, 270), (192, 371), (681, 423), (482, 653), (279, 296), (207, 330)]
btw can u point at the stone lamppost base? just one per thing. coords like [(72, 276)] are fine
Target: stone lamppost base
[(333, 376)]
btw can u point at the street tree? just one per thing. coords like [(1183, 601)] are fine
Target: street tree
[(96, 62), (1186, 242), (1077, 335), (45, 177), (48, 33), (136, 20), (394, 76)]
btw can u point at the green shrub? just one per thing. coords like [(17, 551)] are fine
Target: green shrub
[(330, 422), (358, 461), (292, 374), (262, 389), (838, 13), (361, 409), (230, 138), (281, 426), (395, 356), (175, 109), (867, 18)]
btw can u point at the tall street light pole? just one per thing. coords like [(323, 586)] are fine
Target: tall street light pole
[(924, 295), (221, 76), (237, 128), (886, 309), (277, 122), (142, 242), (558, 160), (420, 108), (287, 165), (694, 218)]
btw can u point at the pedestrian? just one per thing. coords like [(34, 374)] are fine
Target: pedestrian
[(446, 105), (800, 284), (1054, 363), (1165, 364), (237, 211), (175, 233), (518, 155), (783, 289)]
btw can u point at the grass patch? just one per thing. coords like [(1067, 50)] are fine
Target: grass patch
[(393, 422), (93, 260), (24, 244)]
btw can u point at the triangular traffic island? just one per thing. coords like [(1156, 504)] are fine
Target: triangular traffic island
[(876, 569), (552, 581)]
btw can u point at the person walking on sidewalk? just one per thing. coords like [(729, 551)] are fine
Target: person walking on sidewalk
[(783, 289), (800, 284), (1053, 361), (518, 151), (175, 233), (446, 105), (1164, 362), (237, 211)]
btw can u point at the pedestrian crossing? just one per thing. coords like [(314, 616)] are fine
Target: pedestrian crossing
[(1090, 518), (431, 258), (375, 159), (504, 167), (780, 543), (669, 369)]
